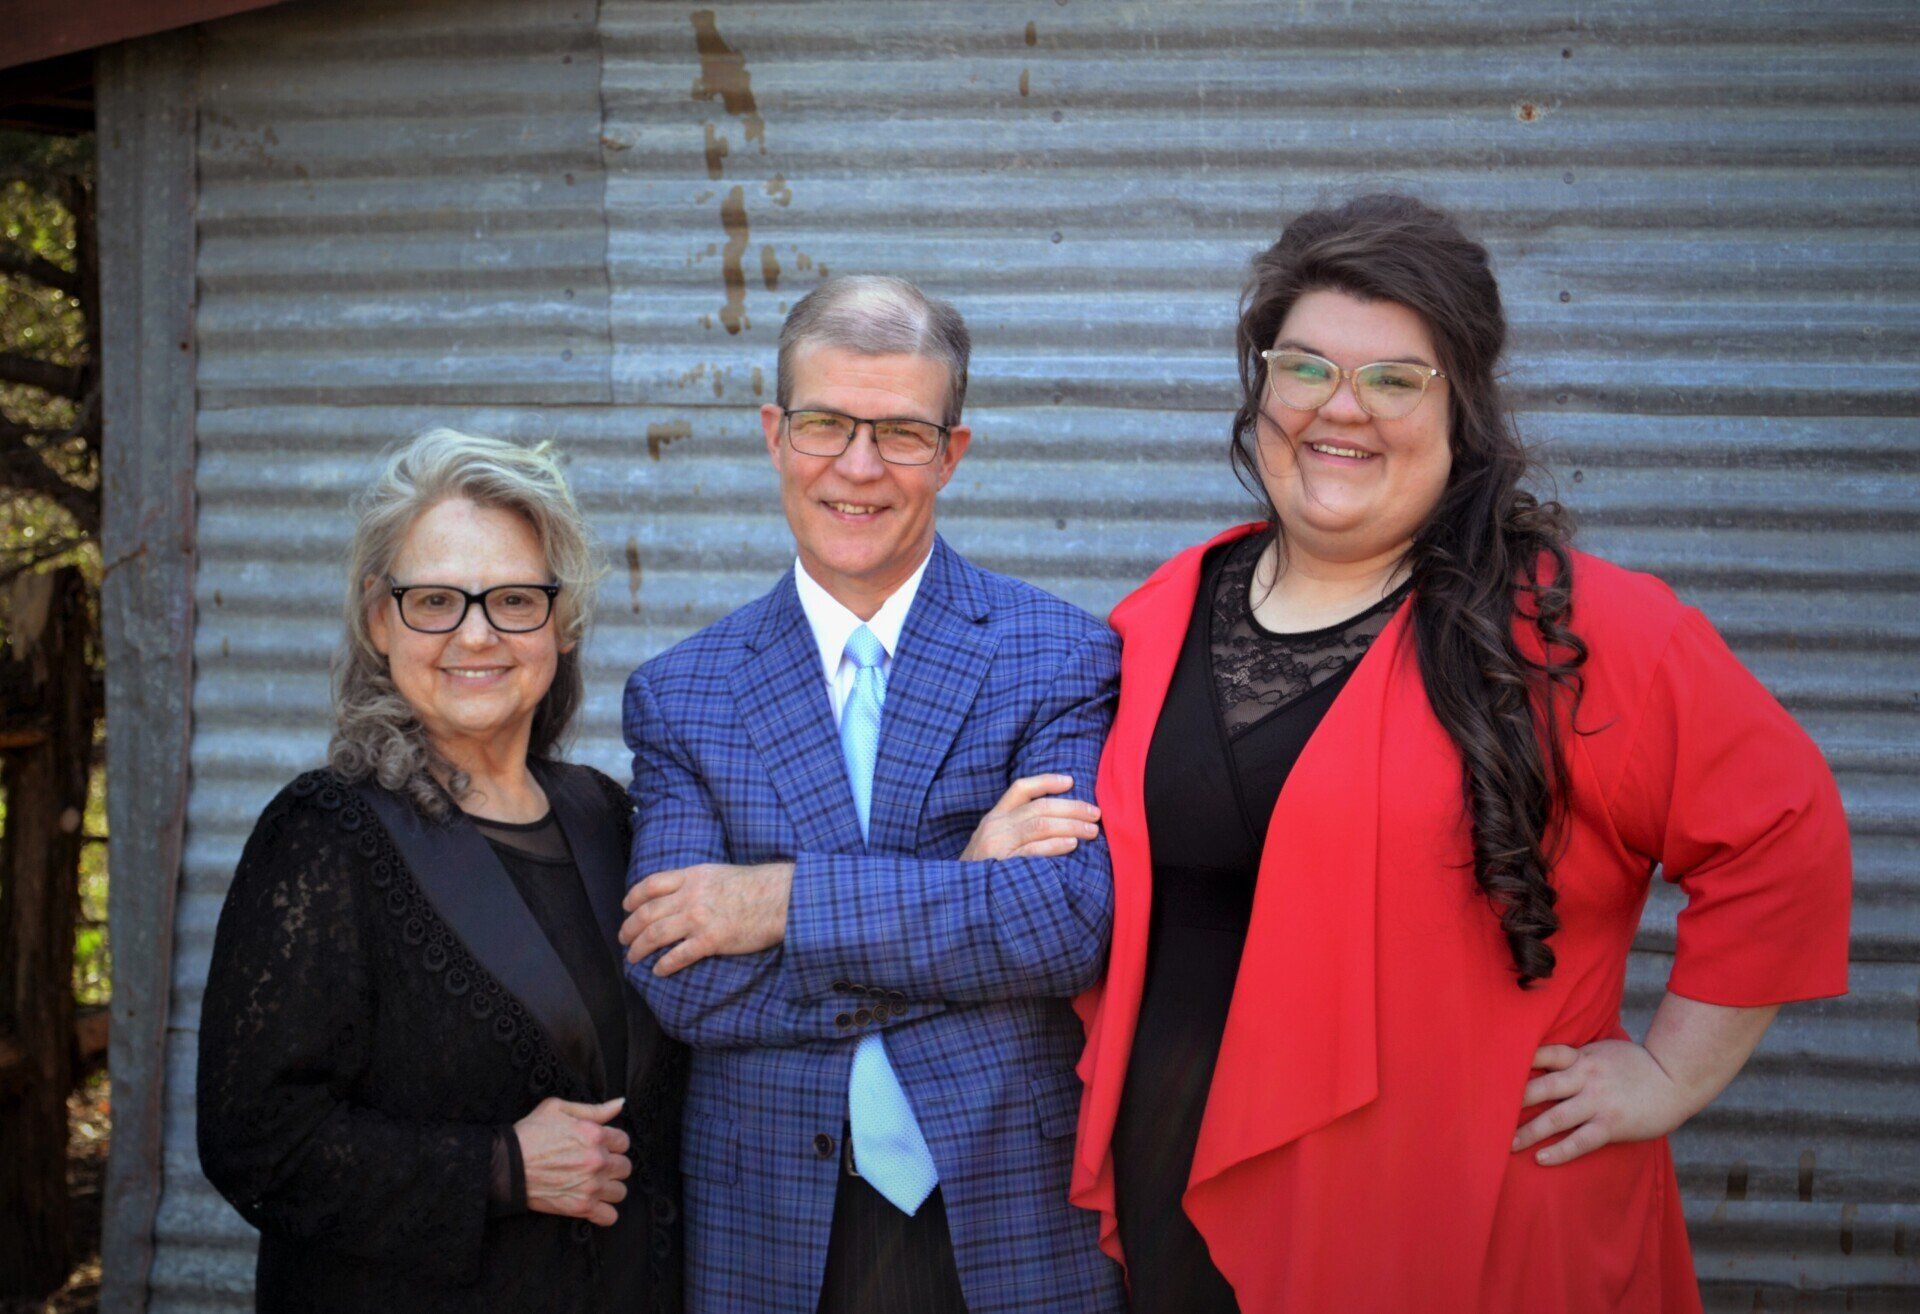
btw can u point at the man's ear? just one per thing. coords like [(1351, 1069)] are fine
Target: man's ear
[(957, 439), (770, 418)]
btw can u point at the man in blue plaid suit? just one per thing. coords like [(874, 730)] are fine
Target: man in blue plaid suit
[(866, 879)]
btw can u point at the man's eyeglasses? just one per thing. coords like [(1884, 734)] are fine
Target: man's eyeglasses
[(442, 608), (1388, 389), (829, 433)]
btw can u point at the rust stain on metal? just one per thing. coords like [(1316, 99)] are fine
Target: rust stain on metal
[(633, 563), (778, 189), (802, 261), (1849, 1214), (1526, 112), (1026, 84), (658, 436), (1737, 1180), (1033, 33), (759, 381), (692, 376), (770, 268), (1806, 1176), (733, 218), (723, 75), (719, 383), (716, 149)]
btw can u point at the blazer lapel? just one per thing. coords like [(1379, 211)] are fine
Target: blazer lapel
[(595, 846), (463, 879), (1152, 622), (1300, 1048), (782, 696), (594, 838), (931, 683)]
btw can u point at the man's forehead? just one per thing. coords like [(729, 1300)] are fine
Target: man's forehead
[(828, 368)]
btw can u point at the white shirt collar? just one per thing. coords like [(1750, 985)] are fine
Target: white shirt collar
[(833, 624)]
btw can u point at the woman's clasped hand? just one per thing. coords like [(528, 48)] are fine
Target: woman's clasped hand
[(576, 1166)]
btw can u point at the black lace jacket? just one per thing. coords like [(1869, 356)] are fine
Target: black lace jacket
[(358, 1051)]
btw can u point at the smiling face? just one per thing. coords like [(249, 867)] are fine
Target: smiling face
[(473, 688), (862, 525), (1348, 486)]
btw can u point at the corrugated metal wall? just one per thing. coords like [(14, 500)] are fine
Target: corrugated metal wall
[(543, 219)]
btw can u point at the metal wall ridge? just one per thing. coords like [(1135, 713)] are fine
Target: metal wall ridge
[(551, 220)]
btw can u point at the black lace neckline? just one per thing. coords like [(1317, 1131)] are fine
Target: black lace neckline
[(1257, 671)]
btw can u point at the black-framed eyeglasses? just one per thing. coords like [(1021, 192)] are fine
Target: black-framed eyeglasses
[(442, 608), (829, 433), (1386, 389)]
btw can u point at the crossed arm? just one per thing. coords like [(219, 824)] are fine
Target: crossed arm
[(750, 955)]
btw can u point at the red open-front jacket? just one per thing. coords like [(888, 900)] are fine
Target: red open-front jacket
[(1354, 1152)]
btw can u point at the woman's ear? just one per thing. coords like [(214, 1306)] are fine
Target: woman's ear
[(379, 623)]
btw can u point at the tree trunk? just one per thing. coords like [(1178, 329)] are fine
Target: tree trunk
[(46, 797)]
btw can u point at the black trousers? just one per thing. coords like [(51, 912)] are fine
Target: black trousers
[(879, 1261)]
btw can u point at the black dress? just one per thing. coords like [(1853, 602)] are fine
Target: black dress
[(1241, 707), (385, 999)]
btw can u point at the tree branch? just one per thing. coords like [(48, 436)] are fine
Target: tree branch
[(47, 552), (60, 380), (40, 271), (26, 471)]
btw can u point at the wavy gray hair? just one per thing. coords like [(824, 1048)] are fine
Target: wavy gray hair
[(375, 731)]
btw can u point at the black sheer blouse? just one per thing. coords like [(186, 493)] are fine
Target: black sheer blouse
[(1242, 705)]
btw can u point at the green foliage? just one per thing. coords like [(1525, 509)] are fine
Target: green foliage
[(45, 197), (41, 179)]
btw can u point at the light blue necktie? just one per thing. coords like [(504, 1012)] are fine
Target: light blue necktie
[(887, 1145)]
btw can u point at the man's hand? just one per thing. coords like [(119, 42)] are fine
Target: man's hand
[(710, 909), (1028, 822)]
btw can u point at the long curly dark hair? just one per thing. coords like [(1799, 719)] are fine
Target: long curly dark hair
[(1491, 552)]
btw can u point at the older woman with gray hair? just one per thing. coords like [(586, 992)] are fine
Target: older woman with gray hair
[(421, 1076)]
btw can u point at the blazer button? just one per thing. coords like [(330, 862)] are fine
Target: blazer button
[(842, 986), (863, 1016), (880, 1013), (843, 1020), (823, 1145), (897, 996)]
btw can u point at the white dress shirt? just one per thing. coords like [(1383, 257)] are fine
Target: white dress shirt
[(833, 625)]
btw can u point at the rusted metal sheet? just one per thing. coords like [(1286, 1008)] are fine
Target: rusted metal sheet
[(1703, 217), (147, 100)]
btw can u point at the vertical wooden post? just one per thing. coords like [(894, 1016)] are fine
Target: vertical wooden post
[(147, 110)]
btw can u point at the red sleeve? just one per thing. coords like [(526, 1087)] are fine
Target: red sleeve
[(1736, 804)]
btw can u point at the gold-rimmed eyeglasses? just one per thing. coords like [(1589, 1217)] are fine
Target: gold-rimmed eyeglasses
[(899, 441), (1386, 389)]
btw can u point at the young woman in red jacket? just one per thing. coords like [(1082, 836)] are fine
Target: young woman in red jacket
[(1390, 775)]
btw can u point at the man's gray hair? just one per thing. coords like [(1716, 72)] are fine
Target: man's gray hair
[(376, 733), (873, 315)]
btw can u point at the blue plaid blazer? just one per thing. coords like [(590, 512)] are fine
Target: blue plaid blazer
[(967, 967)]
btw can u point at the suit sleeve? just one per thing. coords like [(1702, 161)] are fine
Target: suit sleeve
[(724, 1001), (1738, 807), (973, 931), (284, 1035)]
